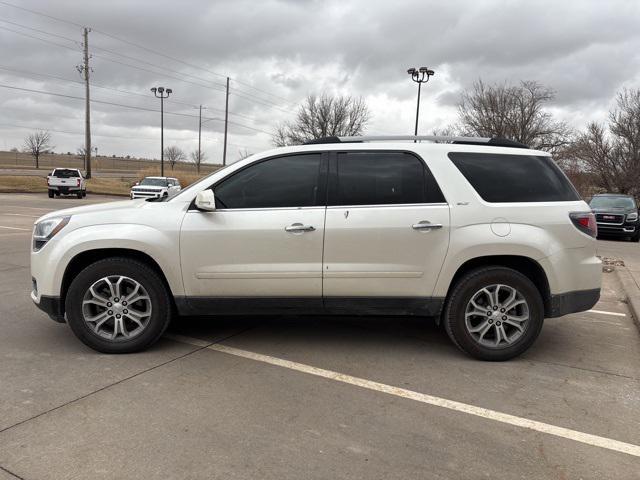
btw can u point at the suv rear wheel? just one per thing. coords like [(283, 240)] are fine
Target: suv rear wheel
[(494, 313), (118, 305)]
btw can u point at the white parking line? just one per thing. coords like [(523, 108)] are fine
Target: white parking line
[(16, 228), (615, 314), (586, 438)]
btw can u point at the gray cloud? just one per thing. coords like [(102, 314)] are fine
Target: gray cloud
[(585, 50)]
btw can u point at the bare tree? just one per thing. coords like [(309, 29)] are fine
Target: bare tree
[(324, 116), (174, 154), (516, 112), (197, 157), (244, 153), (611, 153), (37, 143)]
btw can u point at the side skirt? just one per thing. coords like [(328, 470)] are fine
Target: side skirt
[(418, 306)]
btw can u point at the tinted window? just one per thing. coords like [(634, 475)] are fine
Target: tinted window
[(381, 178), (290, 181), (514, 178), (65, 173)]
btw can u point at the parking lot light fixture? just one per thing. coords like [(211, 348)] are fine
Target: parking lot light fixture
[(161, 93), (419, 75)]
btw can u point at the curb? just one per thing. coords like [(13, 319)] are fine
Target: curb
[(631, 292)]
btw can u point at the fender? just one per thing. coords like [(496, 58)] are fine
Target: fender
[(159, 245)]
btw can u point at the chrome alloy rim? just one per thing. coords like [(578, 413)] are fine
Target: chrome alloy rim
[(116, 308), (497, 316)]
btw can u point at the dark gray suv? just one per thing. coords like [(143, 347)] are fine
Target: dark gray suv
[(616, 215)]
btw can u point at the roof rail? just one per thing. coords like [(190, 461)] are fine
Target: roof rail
[(489, 141)]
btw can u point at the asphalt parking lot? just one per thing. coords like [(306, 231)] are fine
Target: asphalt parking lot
[(320, 397)]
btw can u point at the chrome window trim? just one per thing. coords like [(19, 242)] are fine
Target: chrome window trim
[(257, 209), (381, 205)]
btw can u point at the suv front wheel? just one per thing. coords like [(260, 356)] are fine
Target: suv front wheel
[(494, 313), (118, 305)]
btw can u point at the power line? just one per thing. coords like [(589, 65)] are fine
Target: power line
[(118, 90), (41, 14), (244, 95), (146, 49), (134, 107)]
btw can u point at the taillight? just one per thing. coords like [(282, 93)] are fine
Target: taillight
[(585, 222), (78, 182)]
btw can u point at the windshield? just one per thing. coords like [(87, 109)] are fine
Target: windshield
[(65, 173), (154, 182), (613, 202)]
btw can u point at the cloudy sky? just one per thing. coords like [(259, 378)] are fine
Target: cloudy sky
[(277, 52)]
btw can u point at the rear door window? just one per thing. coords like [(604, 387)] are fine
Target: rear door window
[(382, 178), (500, 178)]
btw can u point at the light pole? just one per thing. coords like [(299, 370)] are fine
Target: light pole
[(420, 76), (162, 96)]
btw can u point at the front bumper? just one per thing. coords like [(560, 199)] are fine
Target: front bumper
[(135, 194), (52, 306), (622, 230), (572, 302)]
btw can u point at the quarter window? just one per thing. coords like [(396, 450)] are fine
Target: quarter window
[(514, 178), (383, 178), (291, 181)]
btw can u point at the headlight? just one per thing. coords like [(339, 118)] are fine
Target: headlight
[(632, 217), (46, 230)]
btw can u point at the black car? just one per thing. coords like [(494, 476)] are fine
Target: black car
[(616, 215)]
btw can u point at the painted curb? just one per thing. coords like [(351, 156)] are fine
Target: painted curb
[(631, 292)]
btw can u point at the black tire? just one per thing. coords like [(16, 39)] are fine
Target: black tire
[(161, 305), (462, 293), (57, 194), (50, 193), (636, 237), (84, 193), (79, 195)]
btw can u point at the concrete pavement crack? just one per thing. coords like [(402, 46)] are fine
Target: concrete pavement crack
[(11, 473), (82, 397)]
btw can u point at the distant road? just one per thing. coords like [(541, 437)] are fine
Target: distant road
[(43, 173)]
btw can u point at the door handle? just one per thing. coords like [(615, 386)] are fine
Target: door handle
[(299, 228), (426, 225)]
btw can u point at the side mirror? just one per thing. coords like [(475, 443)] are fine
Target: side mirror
[(206, 201), (136, 184)]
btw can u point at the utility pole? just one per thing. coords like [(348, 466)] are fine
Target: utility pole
[(84, 71), (200, 108), (226, 124)]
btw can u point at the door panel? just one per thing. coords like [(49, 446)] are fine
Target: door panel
[(248, 253), (375, 251)]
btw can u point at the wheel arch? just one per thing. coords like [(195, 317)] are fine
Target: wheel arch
[(524, 265), (87, 257)]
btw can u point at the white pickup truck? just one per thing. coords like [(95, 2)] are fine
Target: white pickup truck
[(66, 181)]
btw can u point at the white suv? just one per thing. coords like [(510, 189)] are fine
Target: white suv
[(155, 187), (485, 235)]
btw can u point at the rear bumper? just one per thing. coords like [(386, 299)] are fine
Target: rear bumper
[(65, 189), (52, 306), (572, 302)]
